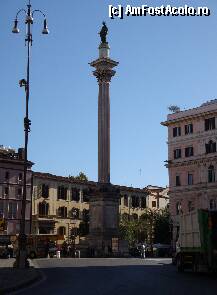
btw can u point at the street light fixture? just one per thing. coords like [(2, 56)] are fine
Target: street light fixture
[(21, 261)]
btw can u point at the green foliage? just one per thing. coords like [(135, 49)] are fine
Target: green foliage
[(152, 227), (81, 176), (163, 228), (133, 231)]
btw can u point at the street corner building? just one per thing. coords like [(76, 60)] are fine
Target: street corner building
[(11, 190), (192, 161)]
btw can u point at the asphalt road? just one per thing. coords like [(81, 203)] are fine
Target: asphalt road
[(118, 277)]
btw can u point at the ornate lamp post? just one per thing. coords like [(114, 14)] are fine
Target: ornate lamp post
[(29, 14)]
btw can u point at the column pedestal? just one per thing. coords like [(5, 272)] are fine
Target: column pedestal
[(104, 219)]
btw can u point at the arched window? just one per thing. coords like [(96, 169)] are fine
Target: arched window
[(61, 230), (211, 174), (210, 147), (43, 209)]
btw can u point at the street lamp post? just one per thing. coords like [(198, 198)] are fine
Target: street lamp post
[(29, 14)]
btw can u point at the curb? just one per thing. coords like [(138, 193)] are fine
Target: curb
[(18, 287)]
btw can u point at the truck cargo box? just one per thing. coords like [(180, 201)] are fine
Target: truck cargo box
[(189, 231)]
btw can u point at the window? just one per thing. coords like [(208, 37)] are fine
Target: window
[(1, 209), (7, 175), (12, 210), (154, 204), (178, 208), (189, 129), (74, 213), (6, 191), (211, 174), (190, 206), (75, 194), (19, 193), (209, 124), (177, 153), (62, 192), (125, 200), (43, 209), (143, 202), (212, 204), (176, 131), (85, 195), (210, 147), (135, 201), (45, 190), (20, 177), (61, 230), (62, 212), (85, 215), (189, 152), (178, 182), (190, 178)]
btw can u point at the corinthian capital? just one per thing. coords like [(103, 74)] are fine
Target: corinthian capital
[(104, 75)]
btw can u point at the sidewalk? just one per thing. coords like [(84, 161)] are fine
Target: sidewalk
[(12, 279)]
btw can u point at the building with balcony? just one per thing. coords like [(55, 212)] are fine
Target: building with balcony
[(192, 160), (11, 190)]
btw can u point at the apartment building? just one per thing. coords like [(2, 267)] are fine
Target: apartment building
[(11, 190), (60, 205), (192, 160)]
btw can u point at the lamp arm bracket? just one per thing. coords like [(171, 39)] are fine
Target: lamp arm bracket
[(20, 12), (37, 10)]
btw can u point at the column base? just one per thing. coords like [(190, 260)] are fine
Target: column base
[(104, 221)]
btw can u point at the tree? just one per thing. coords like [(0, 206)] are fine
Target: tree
[(152, 227), (81, 176), (134, 231), (174, 108), (128, 230), (163, 233), (149, 217)]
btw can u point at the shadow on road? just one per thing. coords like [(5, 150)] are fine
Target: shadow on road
[(87, 279)]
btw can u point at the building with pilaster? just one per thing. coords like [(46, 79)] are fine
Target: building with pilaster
[(192, 160)]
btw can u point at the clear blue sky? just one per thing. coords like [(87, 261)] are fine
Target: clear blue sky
[(163, 61)]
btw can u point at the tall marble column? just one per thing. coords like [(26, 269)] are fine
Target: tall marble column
[(104, 72), (104, 202)]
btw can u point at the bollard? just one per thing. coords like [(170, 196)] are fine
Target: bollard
[(58, 254), (77, 254)]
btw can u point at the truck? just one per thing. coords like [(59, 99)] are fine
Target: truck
[(197, 243)]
